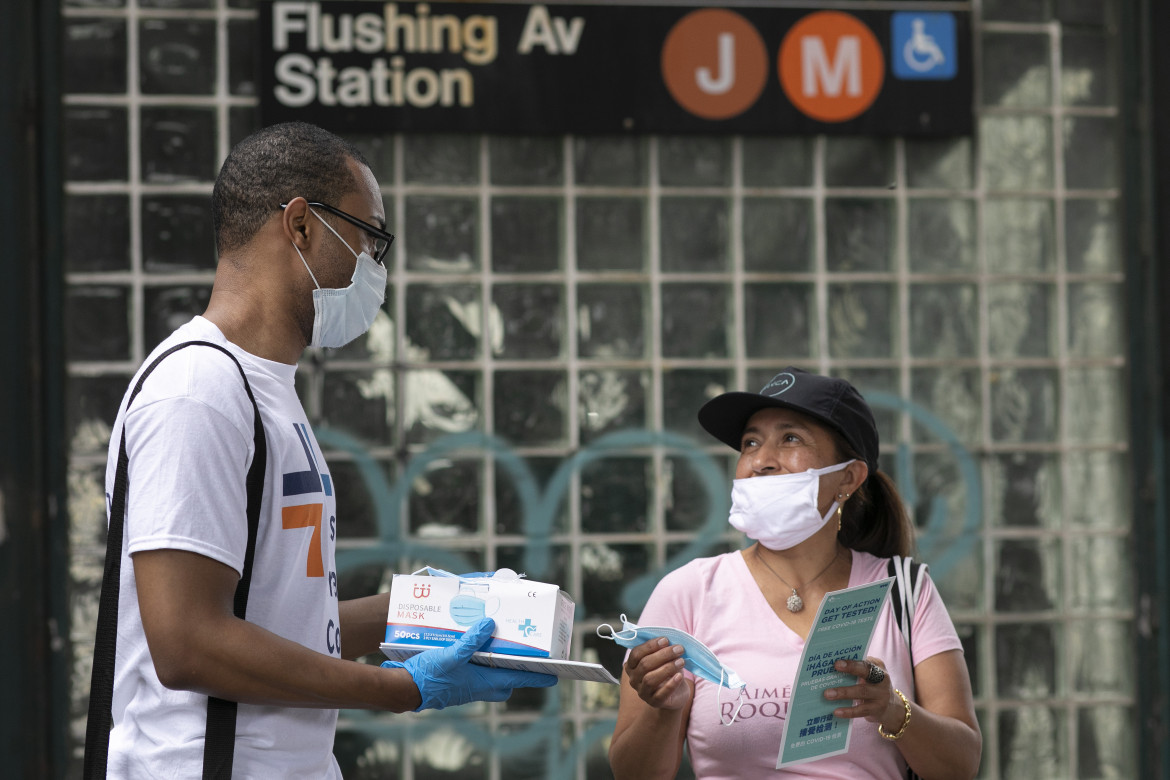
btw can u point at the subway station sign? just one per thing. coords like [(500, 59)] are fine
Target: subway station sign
[(367, 66)]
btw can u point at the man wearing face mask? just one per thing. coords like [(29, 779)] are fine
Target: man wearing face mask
[(223, 515), (808, 490)]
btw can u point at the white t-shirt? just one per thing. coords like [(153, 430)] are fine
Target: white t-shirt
[(189, 436), (718, 601)]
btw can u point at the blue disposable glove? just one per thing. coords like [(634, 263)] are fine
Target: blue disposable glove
[(446, 678)]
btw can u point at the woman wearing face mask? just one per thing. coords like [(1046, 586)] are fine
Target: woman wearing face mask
[(808, 491)]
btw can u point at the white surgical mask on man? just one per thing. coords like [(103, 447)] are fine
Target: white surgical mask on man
[(340, 315), (780, 510)]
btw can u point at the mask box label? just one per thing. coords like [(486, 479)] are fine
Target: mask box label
[(532, 618)]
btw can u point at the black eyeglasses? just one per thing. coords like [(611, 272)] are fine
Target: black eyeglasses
[(382, 239)]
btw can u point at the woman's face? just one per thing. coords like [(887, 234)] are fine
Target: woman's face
[(783, 441)]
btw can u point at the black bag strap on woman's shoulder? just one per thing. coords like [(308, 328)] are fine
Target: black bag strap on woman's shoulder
[(907, 574), (908, 579), (220, 737)]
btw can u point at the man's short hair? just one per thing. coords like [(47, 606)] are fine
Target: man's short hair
[(273, 166)]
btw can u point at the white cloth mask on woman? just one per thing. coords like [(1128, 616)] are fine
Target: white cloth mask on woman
[(340, 315), (698, 659), (780, 511)]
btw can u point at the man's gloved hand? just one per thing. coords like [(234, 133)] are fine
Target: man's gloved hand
[(446, 678)]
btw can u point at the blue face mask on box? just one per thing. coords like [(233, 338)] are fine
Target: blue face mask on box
[(470, 606), (698, 659)]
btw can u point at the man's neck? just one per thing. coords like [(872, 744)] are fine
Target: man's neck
[(255, 324)]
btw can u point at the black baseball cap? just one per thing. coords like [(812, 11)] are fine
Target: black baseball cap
[(828, 400)]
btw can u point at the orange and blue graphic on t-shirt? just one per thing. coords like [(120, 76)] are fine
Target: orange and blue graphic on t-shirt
[(308, 482)]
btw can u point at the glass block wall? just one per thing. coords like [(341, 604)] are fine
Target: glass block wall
[(559, 308)]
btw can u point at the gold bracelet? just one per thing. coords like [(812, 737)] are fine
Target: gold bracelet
[(898, 734)]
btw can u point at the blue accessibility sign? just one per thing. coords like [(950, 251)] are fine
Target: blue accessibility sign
[(923, 46)]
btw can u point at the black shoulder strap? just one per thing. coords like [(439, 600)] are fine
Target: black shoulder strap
[(219, 740), (907, 574)]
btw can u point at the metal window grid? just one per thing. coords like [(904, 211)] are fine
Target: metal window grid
[(740, 365)]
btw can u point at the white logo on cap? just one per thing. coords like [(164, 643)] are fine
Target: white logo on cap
[(783, 381)]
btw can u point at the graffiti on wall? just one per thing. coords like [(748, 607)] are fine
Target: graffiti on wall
[(945, 538)]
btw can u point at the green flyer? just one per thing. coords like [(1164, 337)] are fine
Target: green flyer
[(842, 629)]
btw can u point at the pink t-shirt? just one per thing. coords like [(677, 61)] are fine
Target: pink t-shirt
[(718, 601)]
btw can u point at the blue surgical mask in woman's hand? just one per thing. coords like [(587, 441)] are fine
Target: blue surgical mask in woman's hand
[(698, 659)]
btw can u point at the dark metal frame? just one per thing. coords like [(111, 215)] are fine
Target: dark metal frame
[(1145, 79), (35, 663)]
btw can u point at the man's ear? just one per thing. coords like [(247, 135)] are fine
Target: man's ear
[(295, 222)]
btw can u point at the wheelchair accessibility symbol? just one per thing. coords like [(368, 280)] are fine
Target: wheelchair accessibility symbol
[(924, 46)]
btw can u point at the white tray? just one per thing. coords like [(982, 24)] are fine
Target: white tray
[(566, 670)]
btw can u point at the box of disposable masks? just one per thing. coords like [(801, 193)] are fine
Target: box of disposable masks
[(432, 608)]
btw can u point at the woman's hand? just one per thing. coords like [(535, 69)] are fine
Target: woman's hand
[(876, 702), (654, 669), (651, 726)]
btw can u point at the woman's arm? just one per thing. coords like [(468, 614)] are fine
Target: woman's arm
[(653, 711), (945, 713), (942, 739)]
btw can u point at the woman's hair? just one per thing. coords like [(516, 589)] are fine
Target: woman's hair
[(874, 519), (273, 166)]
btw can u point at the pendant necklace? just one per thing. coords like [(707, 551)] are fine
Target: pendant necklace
[(795, 603)]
